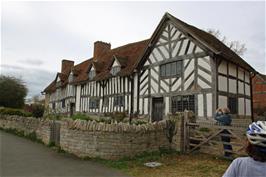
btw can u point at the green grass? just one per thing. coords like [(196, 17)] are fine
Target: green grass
[(31, 136), (125, 163)]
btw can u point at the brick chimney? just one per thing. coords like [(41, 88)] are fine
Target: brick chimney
[(66, 65), (100, 48)]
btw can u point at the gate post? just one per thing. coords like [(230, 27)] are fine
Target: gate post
[(185, 131)]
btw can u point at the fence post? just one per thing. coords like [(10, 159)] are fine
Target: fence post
[(185, 131)]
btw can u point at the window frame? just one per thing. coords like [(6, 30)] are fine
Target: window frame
[(119, 100), (170, 65), (115, 70), (179, 104), (91, 74), (94, 103), (105, 102)]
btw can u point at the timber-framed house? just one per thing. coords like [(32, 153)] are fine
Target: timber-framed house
[(179, 68)]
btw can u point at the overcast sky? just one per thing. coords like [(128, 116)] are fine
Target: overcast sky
[(36, 36)]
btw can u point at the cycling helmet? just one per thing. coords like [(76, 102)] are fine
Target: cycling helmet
[(256, 133)]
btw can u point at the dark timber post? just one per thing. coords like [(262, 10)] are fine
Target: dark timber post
[(251, 96), (131, 78)]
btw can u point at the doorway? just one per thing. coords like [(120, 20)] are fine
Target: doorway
[(157, 109)]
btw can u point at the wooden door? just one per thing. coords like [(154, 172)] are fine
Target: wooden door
[(157, 109)]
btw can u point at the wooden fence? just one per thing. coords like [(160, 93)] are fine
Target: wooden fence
[(211, 138)]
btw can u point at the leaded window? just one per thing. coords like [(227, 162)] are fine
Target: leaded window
[(182, 103), (105, 102), (91, 74), (171, 69), (94, 103), (119, 101), (115, 70)]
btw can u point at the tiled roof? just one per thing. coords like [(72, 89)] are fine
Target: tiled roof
[(213, 44), (128, 53), (80, 71), (206, 39), (133, 55)]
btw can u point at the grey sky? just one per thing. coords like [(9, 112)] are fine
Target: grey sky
[(37, 35)]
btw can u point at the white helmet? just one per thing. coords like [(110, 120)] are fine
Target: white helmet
[(256, 133)]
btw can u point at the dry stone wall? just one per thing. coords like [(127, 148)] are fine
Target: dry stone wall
[(27, 125), (99, 140), (111, 141)]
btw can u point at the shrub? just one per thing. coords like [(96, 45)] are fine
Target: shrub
[(80, 116), (12, 92), (118, 116), (37, 110), (12, 111), (106, 120)]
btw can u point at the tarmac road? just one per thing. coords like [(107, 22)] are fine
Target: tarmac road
[(22, 157)]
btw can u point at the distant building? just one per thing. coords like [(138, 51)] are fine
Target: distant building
[(179, 68), (259, 92)]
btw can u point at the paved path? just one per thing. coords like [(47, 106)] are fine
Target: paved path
[(22, 157)]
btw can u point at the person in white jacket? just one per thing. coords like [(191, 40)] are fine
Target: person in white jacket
[(255, 164)]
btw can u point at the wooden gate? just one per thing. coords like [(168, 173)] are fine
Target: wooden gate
[(55, 133), (214, 139), (157, 109)]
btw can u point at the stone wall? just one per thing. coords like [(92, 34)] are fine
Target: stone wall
[(27, 125), (112, 141), (100, 140)]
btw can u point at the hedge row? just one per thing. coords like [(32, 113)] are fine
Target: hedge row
[(12, 111)]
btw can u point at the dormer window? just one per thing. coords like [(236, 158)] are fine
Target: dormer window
[(71, 77), (91, 74), (115, 70)]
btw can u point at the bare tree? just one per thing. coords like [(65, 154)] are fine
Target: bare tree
[(236, 46)]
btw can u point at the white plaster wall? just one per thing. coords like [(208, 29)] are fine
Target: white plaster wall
[(153, 83), (222, 68), (209, 105), (176, 85), (240, 87), (167, 107), (222, 101), (232, 85), (135, 92), (247, 89), (248, 107), (240, 74), (200, 105), (140, 106), (189, 81), (78, 98), (202, 62), (222, 83), (232, 69), (241, 106), (247, 77), (189, 69), (146, 105)]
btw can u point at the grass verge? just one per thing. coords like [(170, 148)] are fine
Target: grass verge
[(174, 164)]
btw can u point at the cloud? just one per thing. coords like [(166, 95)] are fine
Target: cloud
[(31, 61), (35, 79)]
